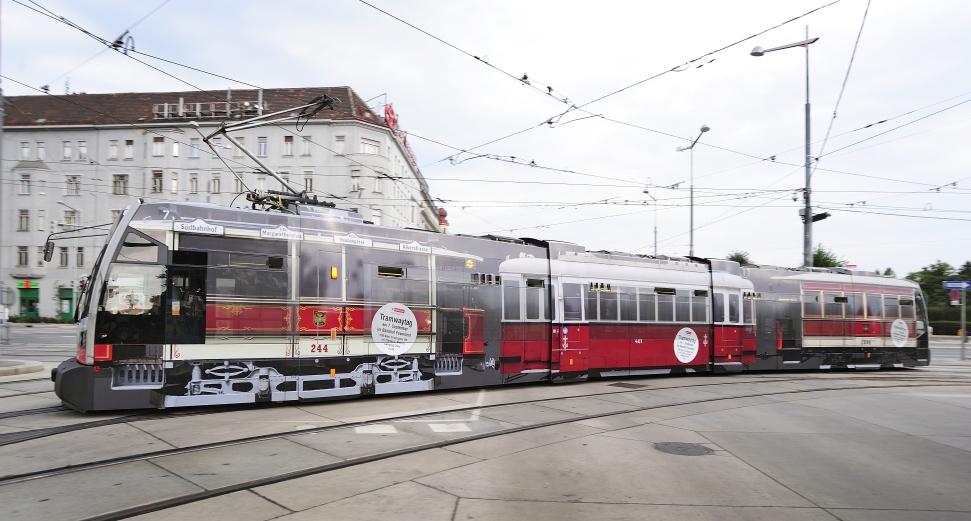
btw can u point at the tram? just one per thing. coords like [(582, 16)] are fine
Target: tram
[(196, 304)]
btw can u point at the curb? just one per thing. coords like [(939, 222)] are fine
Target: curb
[(15, 367)]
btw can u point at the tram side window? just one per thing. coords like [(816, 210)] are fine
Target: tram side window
[(874, 308), (665, 304), (591, 302), (510, 300), (907, 308), (320, 272), (131, 311), (535, 298), (682, 306), (628, 303), (854, 306), (572, 302), (832, 307), (748, 311), (733, 308), (810, 305), (890, 308), (718, 307), (245, 275), (645, 307), (699, 306), (136, 248), (393, 283), (608, 305)]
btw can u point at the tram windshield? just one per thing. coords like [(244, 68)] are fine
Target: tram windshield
[(132, 289)]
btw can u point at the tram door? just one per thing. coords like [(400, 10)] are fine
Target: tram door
[(321, 344)]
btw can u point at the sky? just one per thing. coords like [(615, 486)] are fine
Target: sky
[(888, 189)]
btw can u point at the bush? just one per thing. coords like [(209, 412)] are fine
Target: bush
[(20, 319)]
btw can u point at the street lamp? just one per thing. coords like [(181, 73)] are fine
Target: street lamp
[(807, 239), (691, 241), (77, 213), (655, 217)]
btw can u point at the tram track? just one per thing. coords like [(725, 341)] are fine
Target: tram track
[(19, 437), (149, 507)]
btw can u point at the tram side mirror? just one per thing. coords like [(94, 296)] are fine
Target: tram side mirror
[(48, 251)]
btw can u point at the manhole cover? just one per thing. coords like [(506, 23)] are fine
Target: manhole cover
[(683, 449), (626, 385)]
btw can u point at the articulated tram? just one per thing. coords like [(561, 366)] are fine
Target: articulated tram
[(197, 304)]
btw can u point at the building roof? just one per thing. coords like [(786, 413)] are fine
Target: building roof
[(164, 107)]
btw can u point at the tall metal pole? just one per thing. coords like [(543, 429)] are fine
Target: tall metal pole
[(807, 240), (964, 331), (691, 240), (655, 227)]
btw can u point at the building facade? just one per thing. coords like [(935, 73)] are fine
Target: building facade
[(76, 161)]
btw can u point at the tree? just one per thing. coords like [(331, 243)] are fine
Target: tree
[(965, 272), (740, 257), (931, 280), (889, 272), (823, 258)]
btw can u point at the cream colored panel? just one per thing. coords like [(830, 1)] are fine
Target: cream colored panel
[(320, 347), (234, 348)]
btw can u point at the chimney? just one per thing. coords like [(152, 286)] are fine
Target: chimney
[(442, 221), (181, 106), (259, 102)]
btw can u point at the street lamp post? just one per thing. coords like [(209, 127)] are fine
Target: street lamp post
[(655, 219), (691, 149), (807, 239)]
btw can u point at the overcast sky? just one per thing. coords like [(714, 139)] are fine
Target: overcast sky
[(912, 58)]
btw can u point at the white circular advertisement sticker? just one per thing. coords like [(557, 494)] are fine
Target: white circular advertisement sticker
[(899, 333), (686, 345), (394, 329)]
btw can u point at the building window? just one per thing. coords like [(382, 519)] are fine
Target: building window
[(308, 181), (23, 220), (82, 150), (214, 185), (115, 214), (24, 184), (377, 184), (261, 183), (70, 219), (339, 145), (119, 184), (261, 146), (41, 221), (22, 256), (175, 148), (376, 217), (73, 185), (175, 183), (194, 147), (41, 151), (66, 151), (239, 186), (40, 256), (238, 152), (288, 145), (217, 143), (286, 179), (79, 258), (24, 151), (62, 257), (113, 150), (156, 181), (158, 147), (370, 146), (129, 148), (306, 145), (356, 181), (193, 183)]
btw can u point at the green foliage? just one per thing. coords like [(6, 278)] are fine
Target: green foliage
[(740, 257), (21, 319), (823, 258), (888, 272), (931, 280)]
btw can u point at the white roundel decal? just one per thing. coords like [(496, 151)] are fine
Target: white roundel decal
[(899, 333), (394, 329), (686, 345)]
